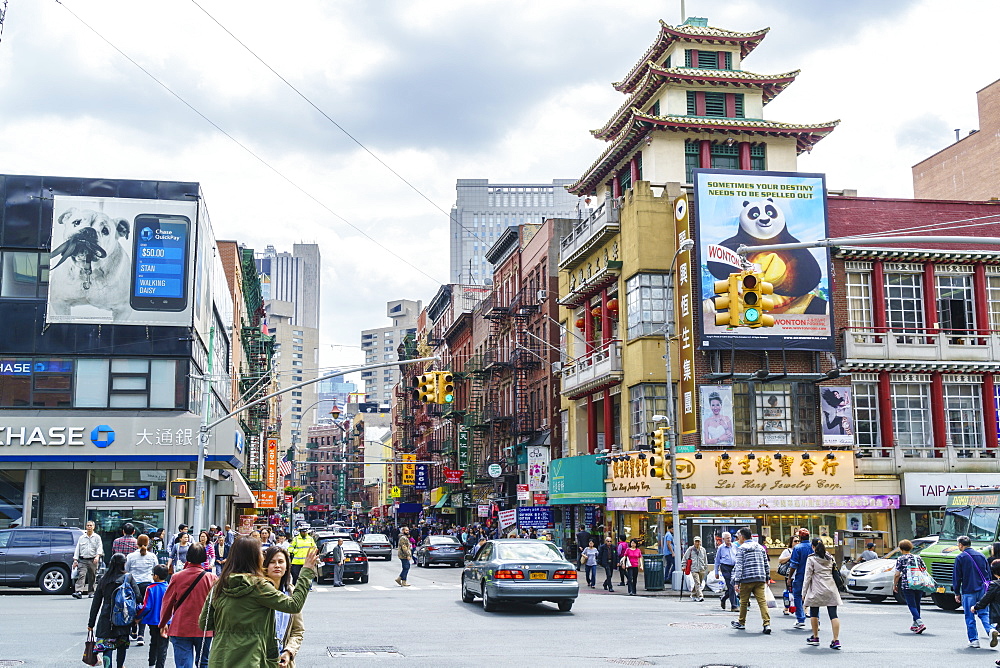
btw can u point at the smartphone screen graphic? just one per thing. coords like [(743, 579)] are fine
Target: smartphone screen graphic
[(159, 263)]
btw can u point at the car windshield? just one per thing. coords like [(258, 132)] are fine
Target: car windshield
[(956, 523), (538, 551), (375, 538), (348, 545), (443, 540)]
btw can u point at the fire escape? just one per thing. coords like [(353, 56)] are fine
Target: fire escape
[(525, 357), (255, 369)]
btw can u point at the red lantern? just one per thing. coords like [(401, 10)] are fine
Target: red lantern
[(596, 311), (613, 304), (579, 323)]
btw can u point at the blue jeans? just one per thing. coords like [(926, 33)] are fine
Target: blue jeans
[(405, 569), (800, 611), (730, 593), (592, 575), (188, 654), (668, 569), (968, 603), (912, 598)]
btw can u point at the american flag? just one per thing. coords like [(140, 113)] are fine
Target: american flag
[(284, 467)]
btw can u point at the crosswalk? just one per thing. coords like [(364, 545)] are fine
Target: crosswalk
[(412, 587)]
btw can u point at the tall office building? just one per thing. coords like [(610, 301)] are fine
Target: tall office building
[(380, 346), (294, 278), (483, 211)]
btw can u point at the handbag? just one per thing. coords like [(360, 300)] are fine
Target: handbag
[(623, 562), (985, 580), (838, 577), (784, 569), (687, 567), (89, 653), (917, 577)]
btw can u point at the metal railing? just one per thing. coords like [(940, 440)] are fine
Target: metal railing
[(605, 217), (604, 361), (967, 345), (914, 459)]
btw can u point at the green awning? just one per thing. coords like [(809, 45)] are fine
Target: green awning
[(443, 501)]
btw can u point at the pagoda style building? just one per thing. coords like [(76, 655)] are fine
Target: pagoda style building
[(691, 104)]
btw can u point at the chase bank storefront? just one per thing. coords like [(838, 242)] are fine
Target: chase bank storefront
[(112, 467)]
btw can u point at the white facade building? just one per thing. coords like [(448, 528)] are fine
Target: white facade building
[(380, 346)]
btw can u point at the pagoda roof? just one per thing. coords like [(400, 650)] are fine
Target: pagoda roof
[(641, 124), (747, 41), (770, 84)]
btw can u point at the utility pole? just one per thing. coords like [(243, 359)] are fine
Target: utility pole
[(206, 416)]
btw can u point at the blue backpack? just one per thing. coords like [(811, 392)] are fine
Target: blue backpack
[(125, 606)]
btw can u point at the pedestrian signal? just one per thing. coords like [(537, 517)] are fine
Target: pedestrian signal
[(182, 488)]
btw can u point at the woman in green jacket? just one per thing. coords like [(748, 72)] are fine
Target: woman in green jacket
[(240, 609)]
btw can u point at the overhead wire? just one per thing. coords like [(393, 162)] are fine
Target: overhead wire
[(243, 146), (942, 226)]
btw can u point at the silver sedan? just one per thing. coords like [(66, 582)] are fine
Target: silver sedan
[(526, 571)]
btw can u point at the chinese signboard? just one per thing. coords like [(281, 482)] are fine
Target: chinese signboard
[(685, 320), (522, 493), (271, 464), (463, 453), (253, 450), (483, 510), (453, 476), (754, 208), (422, 477), (409, 470), (266, 498), (538, 468), (537, 517)]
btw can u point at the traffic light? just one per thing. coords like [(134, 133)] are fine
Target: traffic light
[(657, 460), (182, 488), (445, 387), (425, 388), (755, 304), (727, 305)]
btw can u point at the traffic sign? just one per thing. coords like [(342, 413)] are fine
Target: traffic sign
[(289, 498), (495, 470), (396, 492)]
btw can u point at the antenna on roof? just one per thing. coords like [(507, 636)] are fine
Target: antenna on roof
[(683, 12)]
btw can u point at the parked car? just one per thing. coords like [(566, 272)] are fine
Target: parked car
[(41, 556), (528, 571), (355, 562), (322, 537), (439, 550), (872, 579), (377, 545)]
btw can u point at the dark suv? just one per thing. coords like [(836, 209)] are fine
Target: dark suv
[(40, 556)]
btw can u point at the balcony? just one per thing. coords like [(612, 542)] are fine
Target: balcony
[(904, 459), (589, 234), (603, 367), (919, 345)]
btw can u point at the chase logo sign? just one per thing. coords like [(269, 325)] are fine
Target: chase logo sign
[(120, 493), (102, 436)]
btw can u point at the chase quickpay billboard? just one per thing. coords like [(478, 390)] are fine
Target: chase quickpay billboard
[(121, 261), (747, 208)]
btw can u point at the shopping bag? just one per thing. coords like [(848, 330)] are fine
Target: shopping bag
[(918, 579), (89, 653), (769, 597)]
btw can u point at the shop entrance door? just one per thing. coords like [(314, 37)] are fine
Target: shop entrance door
[(710, 529), (110, 520)]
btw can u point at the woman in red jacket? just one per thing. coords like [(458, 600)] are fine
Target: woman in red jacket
[(182, 604)]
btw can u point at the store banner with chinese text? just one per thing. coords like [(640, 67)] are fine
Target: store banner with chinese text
[(685, 320)]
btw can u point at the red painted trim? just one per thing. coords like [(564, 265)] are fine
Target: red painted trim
[(591, 426), (699, 103), (609, 427), (588, 327), (616, 187), (930, 300), (744, 155), (887, 435), (605, 318), (878, 296), (730, 105), (990, 410), (705, 154), (741, 127), (981, 296), (633, 166), (721, 55), (939, 416)]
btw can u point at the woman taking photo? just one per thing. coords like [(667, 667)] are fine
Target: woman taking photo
[(289, 627), (819, 590), (240, 608), (111, 638), (632, 561)]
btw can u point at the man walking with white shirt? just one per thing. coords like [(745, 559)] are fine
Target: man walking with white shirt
[(86, 556)]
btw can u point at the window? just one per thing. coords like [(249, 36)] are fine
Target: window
[(954, 302), (296, 394), (23, 275), (859, 299), (911, 414), (963, 407), (645, 401), (774, 414), (40, 383), (647, 304), (993, 299), (692, 160), (297, 348), (725, 157), (296, 340), (758, 157), (711, 103), (866, 425), (655, 109), (708, 60), (297, 356), (904, 303), (297, 332)]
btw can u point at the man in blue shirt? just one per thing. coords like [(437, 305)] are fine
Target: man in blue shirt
[(971, 570), (667, 549), (725, 559), (798, 567)]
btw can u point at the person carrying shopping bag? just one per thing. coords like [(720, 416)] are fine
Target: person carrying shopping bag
[(631, 561), (698, 557)]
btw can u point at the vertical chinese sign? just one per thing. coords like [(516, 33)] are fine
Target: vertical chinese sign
[(409, 470), (685, 320), (271, 461), (463, 452)]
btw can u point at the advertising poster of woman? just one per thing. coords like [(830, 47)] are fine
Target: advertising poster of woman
[(838, 422), (716, 415)]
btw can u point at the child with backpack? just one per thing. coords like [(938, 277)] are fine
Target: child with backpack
[(149, 613), (113, 610)]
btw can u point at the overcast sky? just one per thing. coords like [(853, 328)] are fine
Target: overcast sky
[(505, 90)]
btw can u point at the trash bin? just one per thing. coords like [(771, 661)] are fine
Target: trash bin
[(652, 572)]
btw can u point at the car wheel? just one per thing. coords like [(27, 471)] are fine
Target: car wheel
[(945, 601), (875, 599), (467, 596), (388, 558), (364, 579), (489, 605), (54, 580), (565, 605)]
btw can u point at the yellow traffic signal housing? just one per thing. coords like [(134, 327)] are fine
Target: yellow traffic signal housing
[(425, 388), (657, 459), (727, 305), (754, 304), (445, 384)]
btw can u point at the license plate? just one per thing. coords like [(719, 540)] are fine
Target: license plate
[(852, 582), (538, 576), (940, 590)]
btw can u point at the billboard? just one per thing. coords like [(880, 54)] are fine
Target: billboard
[(121, 261), (838, 415), (717, 415), (734, 208), (538, 468)]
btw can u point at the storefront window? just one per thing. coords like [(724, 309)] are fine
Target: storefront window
[(911, 418), (964, 412), (641, 526), (11, 497), (866, 432)]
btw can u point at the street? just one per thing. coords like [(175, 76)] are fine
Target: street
[(381, 624)]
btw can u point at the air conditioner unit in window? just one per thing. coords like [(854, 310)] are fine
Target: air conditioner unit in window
[(542, 295)]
